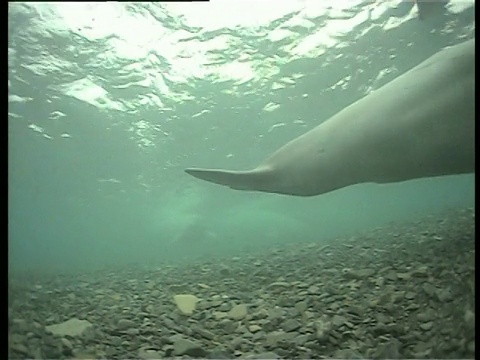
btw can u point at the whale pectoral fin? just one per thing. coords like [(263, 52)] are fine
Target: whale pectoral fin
[(240, 180)]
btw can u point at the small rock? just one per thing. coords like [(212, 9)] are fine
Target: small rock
[(380, 329), (421, 271), (391, 275), (412, 306), (228, 325), (301, 306), (469, 318), (361, 274), (150, 285), (278, 285), (323, 331), (21, 324), (186, 303), (389, 350), (220, 354), (421, 348), (124, 324), (149, 354), (85, 354), (410, 295), (67, 345), (15, 338), (20, 348), (291, 325), (238, 312), (254, 328), (203, 332), (427, 315), (404, 276), (169, 323), (349, 324), (187, 347), (236, 342), (115, 341), (338, 320), (132, 331), (381, 318), (444, 295), (72, 327), (356, 310), (224, 307), (426, 326), (301, 340), (216, 302), (429, 289), (347, 354), (275, 313), (265, 355), (273, 338), (219, 315)]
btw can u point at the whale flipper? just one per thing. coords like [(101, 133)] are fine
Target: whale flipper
[(239, 180)]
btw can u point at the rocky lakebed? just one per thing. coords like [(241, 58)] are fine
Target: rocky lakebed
[(401, 291)]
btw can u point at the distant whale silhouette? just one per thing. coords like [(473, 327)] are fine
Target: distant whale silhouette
[(419, 125)]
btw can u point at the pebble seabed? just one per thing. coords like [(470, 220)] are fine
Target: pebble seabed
[(403, 291)]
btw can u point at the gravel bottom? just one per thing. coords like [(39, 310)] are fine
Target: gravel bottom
[(400, 291)]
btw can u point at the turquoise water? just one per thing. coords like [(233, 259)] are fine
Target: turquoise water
[(109, 102)]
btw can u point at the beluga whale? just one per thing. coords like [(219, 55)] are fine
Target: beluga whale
[(421, 124)]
